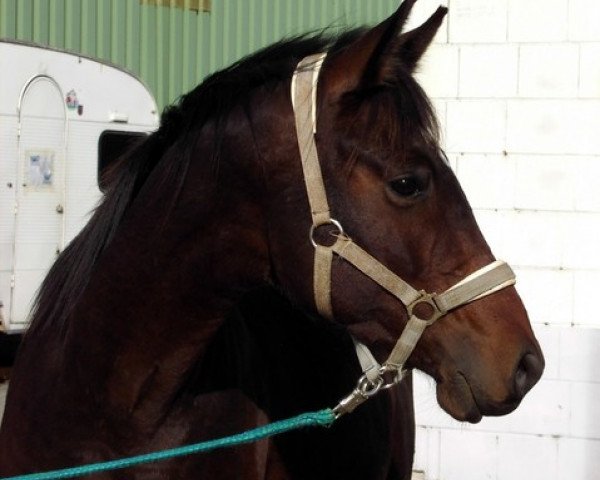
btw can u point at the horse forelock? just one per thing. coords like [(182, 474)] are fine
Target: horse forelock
[(403, 113)]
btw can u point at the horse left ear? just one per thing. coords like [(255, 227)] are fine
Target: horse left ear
[(412, 45), (374, 56)]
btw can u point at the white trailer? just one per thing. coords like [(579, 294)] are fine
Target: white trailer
[(63, 117)]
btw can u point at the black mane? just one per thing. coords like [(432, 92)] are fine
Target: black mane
[(212, 100), (169, 151)]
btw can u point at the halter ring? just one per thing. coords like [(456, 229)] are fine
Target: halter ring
[(428, 302), (332, 221)]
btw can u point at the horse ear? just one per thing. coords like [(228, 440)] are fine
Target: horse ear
[(413, 44), (372, 58), (348, 68)]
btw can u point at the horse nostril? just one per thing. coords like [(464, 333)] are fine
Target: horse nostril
[(528, 372)]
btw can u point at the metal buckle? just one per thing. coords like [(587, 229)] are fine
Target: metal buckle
[(332, 221), (366, 389), (393, 373), (427, 299)]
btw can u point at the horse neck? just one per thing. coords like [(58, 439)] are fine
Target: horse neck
[(163, 287)]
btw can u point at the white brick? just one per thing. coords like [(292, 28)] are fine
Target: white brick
[(438, 71), (488, 71), (557, 182), (578, 459), (420, 461), (422, 10), (477, 21), (496, 228), (488, 180), (548, 337), (578, 349), (427, 456), (583, 232), (587, 193), (467, 455), (453, 160), (545, 183), (583, 19), (548, 71), (543, 411), (538, 289), (440, 112), (553, 126), (519, 462), (537, 20), (585, 414), (476, 126), (427, 410), (586, 288), (589, 71), (534, 239)]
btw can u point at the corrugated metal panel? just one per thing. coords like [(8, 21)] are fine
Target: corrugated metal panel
[(174, 47)]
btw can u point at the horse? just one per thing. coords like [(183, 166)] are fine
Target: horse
[(185, 309)]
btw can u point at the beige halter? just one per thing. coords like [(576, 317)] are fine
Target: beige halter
[(485, 281)]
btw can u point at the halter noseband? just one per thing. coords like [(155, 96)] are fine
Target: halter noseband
[(485, 281)]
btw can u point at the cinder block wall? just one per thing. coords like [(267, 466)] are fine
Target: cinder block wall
[(517, 87)]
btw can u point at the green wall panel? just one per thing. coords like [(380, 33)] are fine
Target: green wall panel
[(172, 48)]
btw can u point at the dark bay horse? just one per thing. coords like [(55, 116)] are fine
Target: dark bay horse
[(184, 310)]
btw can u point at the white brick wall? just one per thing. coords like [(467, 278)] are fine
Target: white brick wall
[(441, 67), (553, 127), (475, 126), (589, 71), (477, 21), (488, 71), (549, 71), (583, 15), (517, 87), (537, 20)]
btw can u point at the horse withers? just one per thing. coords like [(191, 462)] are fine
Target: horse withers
[(185, 310)]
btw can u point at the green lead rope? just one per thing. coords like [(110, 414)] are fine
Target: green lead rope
[(322, 418)]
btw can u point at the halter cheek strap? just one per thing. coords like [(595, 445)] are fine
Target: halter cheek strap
[(430, 306)]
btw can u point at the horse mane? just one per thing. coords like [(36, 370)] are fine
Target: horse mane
[(211, 101)]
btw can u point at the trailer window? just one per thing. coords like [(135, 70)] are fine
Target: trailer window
[(111, 146)]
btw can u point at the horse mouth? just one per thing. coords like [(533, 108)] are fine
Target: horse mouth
[(456, 397)]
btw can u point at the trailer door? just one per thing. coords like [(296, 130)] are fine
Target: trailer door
[(39, 221)]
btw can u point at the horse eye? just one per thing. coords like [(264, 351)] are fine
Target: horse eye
[(407, 186)]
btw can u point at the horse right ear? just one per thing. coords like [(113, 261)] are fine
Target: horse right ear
[(375, 55)]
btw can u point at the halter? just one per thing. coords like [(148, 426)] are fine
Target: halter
[(423, 308)]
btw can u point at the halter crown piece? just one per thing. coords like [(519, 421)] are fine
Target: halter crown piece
[(485, 281)]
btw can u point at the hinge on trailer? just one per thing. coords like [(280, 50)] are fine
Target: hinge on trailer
[(12, 281)]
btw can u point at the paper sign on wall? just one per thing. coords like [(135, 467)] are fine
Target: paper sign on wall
[(39, 168)]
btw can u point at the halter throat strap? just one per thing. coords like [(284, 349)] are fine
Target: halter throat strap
[(485, 281)]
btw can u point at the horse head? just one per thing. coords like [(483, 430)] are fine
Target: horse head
[(391, 189)]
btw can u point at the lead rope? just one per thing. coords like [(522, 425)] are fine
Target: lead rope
[(321, 418)]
